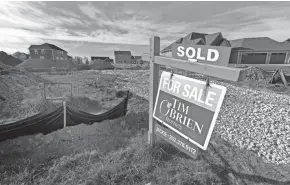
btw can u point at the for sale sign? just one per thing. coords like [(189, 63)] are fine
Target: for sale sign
[(176, 140), (188, 107), (216, 55)]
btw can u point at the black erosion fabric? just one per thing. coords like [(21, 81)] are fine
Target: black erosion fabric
[(52, 120), (32, 125), (75, 117)]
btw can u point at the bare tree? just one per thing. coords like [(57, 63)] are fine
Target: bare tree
[(77, 60), (86, 60)]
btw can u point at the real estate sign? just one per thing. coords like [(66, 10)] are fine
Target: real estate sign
[(216, 55), (176, 140), (188, 107)]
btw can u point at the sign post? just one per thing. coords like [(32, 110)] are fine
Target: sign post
[(185, 108), (154, 74)]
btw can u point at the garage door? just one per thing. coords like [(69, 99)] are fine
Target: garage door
[(277, 58), (253, 58)]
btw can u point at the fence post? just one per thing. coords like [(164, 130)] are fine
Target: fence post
[(154, 79), (64, 113)]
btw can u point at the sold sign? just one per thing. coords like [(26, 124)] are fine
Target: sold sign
[(215, 55)]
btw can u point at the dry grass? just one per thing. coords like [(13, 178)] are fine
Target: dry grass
[(116, 152), (137, 163)]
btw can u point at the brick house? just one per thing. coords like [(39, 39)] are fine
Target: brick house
[(47, 51), (123, 57), (258, 50)]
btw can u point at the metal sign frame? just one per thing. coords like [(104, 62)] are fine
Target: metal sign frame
[(57, 98)]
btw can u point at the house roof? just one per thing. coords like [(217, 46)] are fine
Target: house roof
[(209, 39), (122, 52), (198, 39), (46, 46), (179, 40), (259, 43), (226, 43), (193, 36), (167, 49), (102, 58), (8, 59), (216, 39)]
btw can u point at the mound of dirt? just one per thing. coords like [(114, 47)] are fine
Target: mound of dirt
[(256, 78), (37, 64), (85, 104), (45, 64), (23, 94), (9, 60), (255, 73)]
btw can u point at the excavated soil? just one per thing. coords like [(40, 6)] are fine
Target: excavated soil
[(250, 143)]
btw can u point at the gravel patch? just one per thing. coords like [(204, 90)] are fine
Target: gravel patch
[(251, 119)]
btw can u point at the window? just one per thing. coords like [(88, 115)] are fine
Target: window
[(42, 51), (277, 53), (36, 52), (277, 58), (253, 58)]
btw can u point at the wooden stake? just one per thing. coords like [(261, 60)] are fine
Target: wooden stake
[(64, 114), (283, 78), (154, 79), (273, 76)]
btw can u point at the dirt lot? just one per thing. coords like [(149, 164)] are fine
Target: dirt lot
[(115, 152)]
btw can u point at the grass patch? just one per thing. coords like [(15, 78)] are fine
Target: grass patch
[(135, 162), (138, 163), (116, 151)]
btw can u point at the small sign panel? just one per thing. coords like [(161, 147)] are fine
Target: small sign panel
[(215, 55), (176, 140), (188, 107)]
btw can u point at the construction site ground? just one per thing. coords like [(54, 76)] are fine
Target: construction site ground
[(116, 151)]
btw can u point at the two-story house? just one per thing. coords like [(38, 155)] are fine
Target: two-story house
[(47, 51)]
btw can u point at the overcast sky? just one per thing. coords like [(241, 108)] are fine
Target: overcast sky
[(99, 28)]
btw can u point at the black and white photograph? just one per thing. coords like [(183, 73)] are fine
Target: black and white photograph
[(144, 92)]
